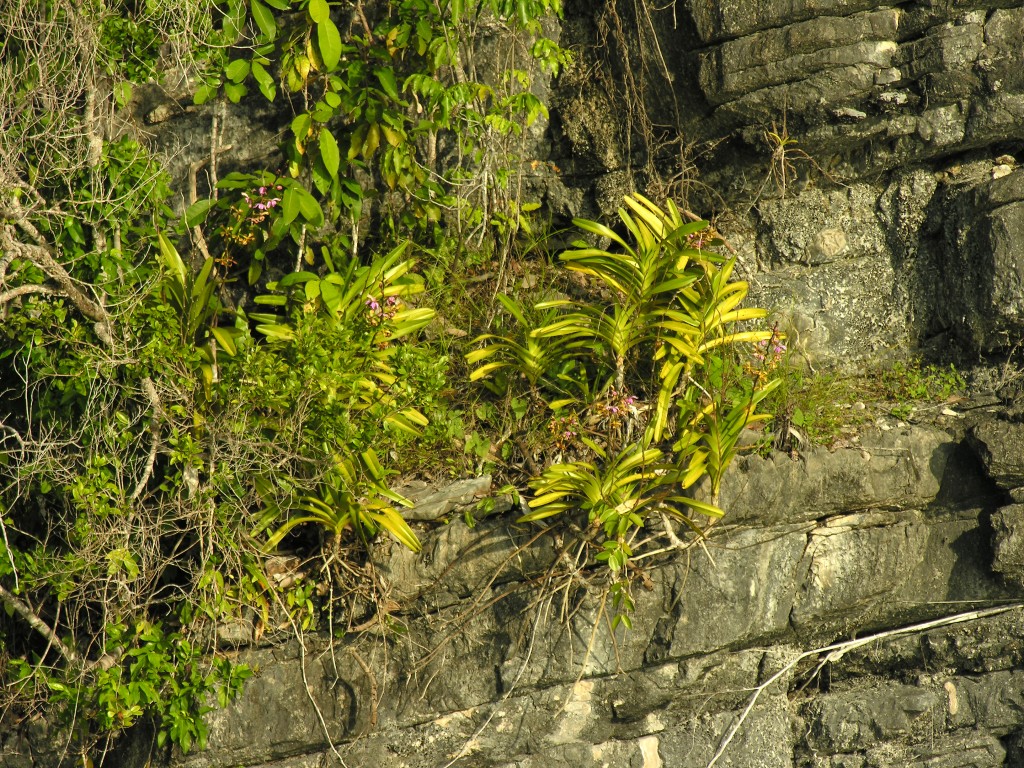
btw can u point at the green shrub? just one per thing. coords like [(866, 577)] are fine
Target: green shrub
[(647, 381)]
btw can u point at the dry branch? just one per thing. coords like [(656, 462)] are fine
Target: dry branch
[(22, 608), (836, 651), (42, 256)]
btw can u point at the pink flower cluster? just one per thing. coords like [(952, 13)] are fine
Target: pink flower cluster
[(565, 430), (617, 404), (772, 346), (380, 313), (767, 356), (262, 203)]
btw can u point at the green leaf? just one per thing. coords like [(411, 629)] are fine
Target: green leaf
[(310, 208), (237, 70), (329, 152), (271, 299), (328, 43), (372, 141), (276, 331), (319, 11), (195, 214), (290, 204), (235, 92), (205, 92), (322, 180), (392, 522), (234, 21), (123, 93), (226, 339), (265, 81), (172, 259), (264, 19), (386, 77), (296, 278)]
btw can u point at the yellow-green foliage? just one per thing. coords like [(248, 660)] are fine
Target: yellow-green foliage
[(650, 382)]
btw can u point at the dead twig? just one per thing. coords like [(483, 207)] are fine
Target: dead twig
[(154, 425), (22, 608), (836, 651)]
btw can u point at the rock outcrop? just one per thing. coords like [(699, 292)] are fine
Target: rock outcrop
[(860, 607), (861, 157)]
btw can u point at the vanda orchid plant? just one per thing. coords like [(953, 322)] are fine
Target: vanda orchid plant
[(658, 379)]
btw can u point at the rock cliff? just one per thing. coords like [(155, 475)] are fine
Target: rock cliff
[(861, 607), (862, 156)]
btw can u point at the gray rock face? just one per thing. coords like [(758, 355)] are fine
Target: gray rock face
[(1000, 446), (1008, 542), (499, 652), (981, 258), (861, 157), (505, 655)]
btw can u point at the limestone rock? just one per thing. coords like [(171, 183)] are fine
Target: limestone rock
[(1008, 543), (1000, 446)]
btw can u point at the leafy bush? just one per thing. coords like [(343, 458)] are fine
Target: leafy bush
[(647, 380), (162, 431)]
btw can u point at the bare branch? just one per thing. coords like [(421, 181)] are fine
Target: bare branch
[(154, 425), (42, 256), (21, 608)]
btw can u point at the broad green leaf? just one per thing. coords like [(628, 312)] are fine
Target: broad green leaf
[(410, 320), (290, 204), (319, 10), (237, 70), (294, 278), (226, 339), (310, 208), (271, 300), (393, 137), (277, 331), (704, 508), (543, 512), (392, 522), (386, 77), (356, 142), (328, 43), (265, 81), (264, 317), (234, 21), (486, 370), (123, 93), (172, 259), (264, 19), (235, 92), (200, 286), (301, 125), (371, 142), (205, 92), (329, 152), (602, 231), (401, 422), (195, 214)]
